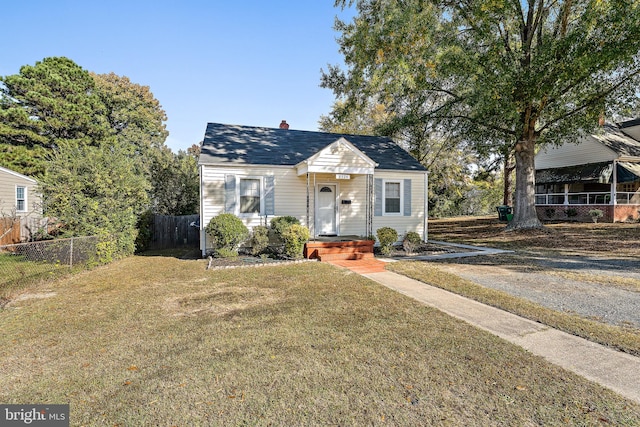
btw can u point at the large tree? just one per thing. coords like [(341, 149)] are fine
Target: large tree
[(136, 118), (91, 139), (507, 75), (133, 114), (49, 104)]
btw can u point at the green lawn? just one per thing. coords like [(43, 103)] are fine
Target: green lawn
[(159, 341), (16, 272)]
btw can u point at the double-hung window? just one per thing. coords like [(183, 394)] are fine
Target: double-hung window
[(392, 197), (21, 199), (250, 196)]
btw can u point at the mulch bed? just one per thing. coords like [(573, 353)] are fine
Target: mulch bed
[(249, 261), (423, 249)]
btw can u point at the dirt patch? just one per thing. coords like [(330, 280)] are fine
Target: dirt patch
[(28, 296), (221, 301)]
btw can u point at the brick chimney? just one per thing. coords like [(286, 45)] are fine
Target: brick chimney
[(284, 125), (601, 120)]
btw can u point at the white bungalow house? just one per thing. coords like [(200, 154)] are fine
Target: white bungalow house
[(335, 184), (600, 171), (20, 205)]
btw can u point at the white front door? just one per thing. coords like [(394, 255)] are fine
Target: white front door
[(326, 209)]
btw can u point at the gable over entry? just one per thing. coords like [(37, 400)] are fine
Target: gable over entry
[(343, 160), (340, 157)]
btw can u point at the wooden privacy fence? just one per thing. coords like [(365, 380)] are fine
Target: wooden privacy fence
[(9, 230), (174, 232)]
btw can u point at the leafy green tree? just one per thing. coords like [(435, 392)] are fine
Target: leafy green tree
[(95, 190), (343, 119), (509, 75), (175, 183), (47, 105), (92, 138), (134, 116)]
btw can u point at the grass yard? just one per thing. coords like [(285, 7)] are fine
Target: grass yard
[(567, 238), (160, 341), (625, 339), (572, 239), (16, 272)]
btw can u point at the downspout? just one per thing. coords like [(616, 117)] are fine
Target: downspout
[(308, 223), (614, 190), (203, 237), (425, 236), (369, 204), (614, 187)]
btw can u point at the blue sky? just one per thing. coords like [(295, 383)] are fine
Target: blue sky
[(249, 62)]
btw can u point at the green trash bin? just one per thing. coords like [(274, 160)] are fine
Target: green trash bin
[(503, 211)]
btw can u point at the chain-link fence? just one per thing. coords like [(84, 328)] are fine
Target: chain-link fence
[(24, 263)]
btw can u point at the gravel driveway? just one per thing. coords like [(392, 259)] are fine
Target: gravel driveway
[(613, 304)]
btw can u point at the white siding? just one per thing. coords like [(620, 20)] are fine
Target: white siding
[(403, 224), (289, 190), (9, 181), (290, 198), (570, 154), (353, 217), (338, 158)]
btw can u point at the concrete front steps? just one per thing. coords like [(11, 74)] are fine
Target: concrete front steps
[(334, 251)]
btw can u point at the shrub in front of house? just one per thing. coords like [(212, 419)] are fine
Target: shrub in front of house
[(227, 232), (387, 237), (294, 237), (259, 240), (281, 223), (411, 241), (571, 213), (595, 214)]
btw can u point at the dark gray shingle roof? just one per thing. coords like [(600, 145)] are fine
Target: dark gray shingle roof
[(618, 141), (285, 147), (591, 172)]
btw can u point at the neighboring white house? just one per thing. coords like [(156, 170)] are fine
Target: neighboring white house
[(600, 171), (335, 184), (19, 198)]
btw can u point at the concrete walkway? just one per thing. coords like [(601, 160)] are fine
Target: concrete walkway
[(617, 371), (472, 251)]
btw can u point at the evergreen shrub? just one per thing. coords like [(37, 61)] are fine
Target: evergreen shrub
[(387, 237), (294, 237), (259, 240), (227, 232)]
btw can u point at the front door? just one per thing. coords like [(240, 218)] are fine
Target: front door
[(326, 209)]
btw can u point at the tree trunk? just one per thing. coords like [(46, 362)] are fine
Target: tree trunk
[(524, 209), (506, 193)]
